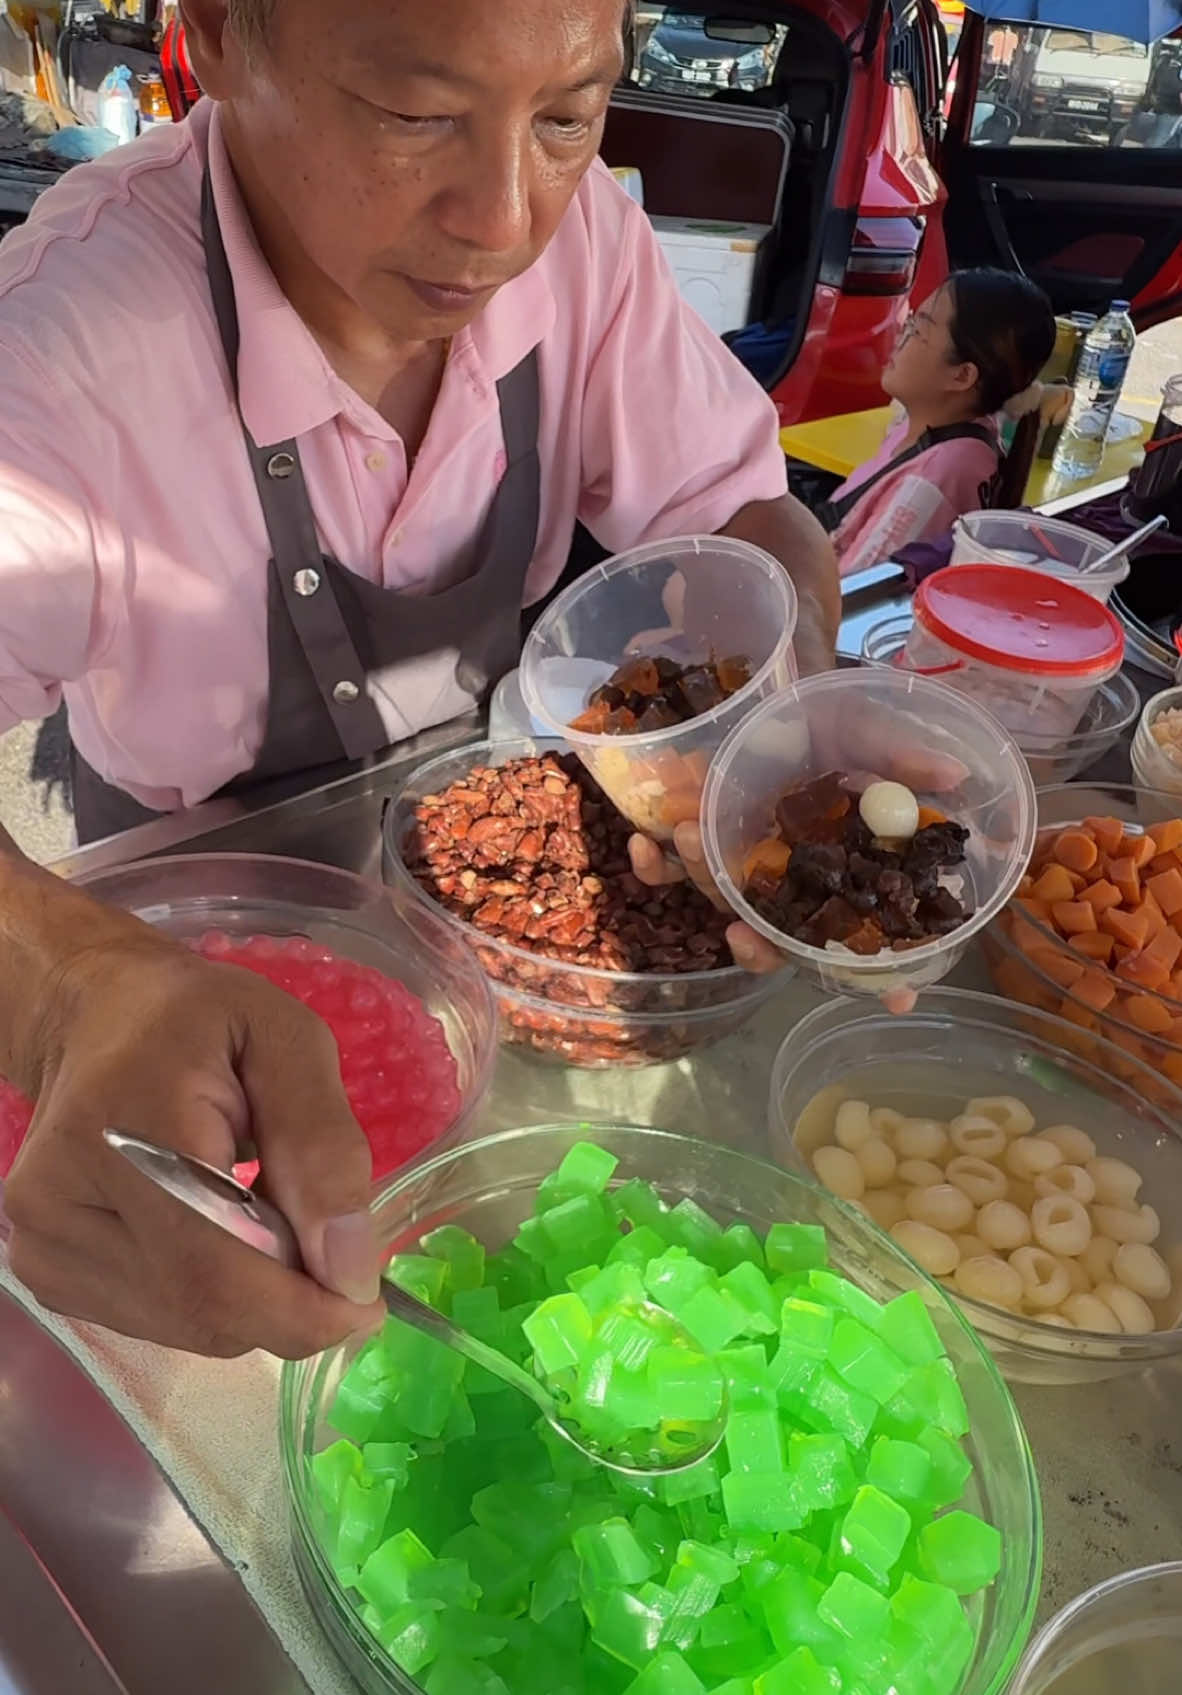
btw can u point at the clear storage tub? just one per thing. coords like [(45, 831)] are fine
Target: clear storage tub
[(1040, 544)]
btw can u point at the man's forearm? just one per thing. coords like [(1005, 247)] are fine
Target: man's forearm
[(788, 531)]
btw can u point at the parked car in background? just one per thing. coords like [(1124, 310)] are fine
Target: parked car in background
[(682, 52), (1069, 85)]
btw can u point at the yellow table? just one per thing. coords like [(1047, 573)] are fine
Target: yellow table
[(843, 443)]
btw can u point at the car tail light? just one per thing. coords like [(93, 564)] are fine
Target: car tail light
[(883, 256)]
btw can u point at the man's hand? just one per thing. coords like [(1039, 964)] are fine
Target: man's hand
[(789, 532), (135, 1032)]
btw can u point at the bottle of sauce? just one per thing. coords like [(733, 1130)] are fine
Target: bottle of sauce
[(153, 101)]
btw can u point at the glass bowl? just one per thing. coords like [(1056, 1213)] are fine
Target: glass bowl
[(1152, 766), (259, 895), (956, 1046), (1052, 759), (488, 1187), (691, 599), (868, 723), (1124, 1634), (576, 1014)]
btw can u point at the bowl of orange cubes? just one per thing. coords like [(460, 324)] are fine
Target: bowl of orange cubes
[(1094, 932)]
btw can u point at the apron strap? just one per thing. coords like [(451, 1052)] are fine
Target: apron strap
[(307, 588), (831, 513)]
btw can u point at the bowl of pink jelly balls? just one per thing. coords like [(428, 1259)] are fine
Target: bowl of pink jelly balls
[(1030, 1174), (409, 1006)]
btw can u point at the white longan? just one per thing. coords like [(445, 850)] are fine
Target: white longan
[(885, 1206), (1135, 1317), (1061, 1225), (1045, 1284), (932, 1249), (918, 1173), (1117, 1184), (1077, 1277), (1070, 1180), (1027, 1158), (1003, 1226), (884, 1120), (989, 1279), (814, 1127), (839, 1171), (1127, 1224), (1089, 1312), (1098, 1257), (1013, 1115), (981, 1180), (977, 1135), (1142, 1270), (943, 1206), (1075, 1145), (971, 1246), (921, 1138), (878, 1162), (851, 1127), (889, 811)]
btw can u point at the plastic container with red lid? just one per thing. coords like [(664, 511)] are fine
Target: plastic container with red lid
[(1029, 649)]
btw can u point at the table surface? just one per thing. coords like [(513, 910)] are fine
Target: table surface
[(842, 443)]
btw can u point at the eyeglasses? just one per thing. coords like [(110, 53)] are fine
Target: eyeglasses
[(920, 322)]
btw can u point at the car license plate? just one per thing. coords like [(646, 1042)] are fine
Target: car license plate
[(1083, 105), (701, 76)]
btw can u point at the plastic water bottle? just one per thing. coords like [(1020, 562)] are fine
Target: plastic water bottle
[(118, 109), (1099, 379)]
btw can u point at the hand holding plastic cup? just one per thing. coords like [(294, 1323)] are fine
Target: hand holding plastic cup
[(691, 600)]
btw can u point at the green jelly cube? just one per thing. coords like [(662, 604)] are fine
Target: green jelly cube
[(713, 1563), (500, 1571), (800, 1674), (531, 1517), (391, 1460), (740, 1243), (674, 1277), (582, 1226), (873, 1532), (445, 1583), (931, 1396), (906, 1326), (479, 1310), (611, 1554), (702, 1521), (611, 1287), (586, 1169), (687, 1598), (331, 1468), (791, 1373), (853, 1609), (755, 1442), (929, 1611), (829, 1404), (798, 1551), (713, 1318), (555, 1587), (729, 1642), (694, 1483), (840, 1292), (514, 1276), (424, 1278), (559, 1331), (629, 1337), (364, 1508), (453, 1675), (789, 1604), (425, 1376), (640, 1204), (751, 1289), (950, 1468), (472, 1635), (863, 1361), (821, 1471), (688, 1387), (668, 1674), (747, 1377), (624, 1398), (755, 1500), (460, 1252), (796, 1247), (902, 1470), (365, 1393), (658, 1530), (640, 1245), (960, 1551), (627, 1625), (385, 1576), (461, 1420), (694, 1228), (807, 1326), (411, 1636)]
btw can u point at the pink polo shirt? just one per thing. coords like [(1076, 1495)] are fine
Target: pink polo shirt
[(133, 554)]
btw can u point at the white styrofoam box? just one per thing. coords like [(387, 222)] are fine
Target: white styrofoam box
[(714, 266), (631, 181)]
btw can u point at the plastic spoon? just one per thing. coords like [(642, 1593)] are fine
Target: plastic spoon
[(227, 1203), (1125, 546)]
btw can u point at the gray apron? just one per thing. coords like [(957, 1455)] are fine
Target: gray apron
[(329, 629)]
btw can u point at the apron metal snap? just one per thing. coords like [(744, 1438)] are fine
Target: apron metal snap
[(346, 693), (306, 583), (281, 465)]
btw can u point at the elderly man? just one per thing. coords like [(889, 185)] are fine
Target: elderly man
[(300, 403)]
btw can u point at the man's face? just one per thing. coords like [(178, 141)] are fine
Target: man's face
[(416, 153)]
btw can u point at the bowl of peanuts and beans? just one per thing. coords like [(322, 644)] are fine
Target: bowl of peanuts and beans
[(1038, 1185)]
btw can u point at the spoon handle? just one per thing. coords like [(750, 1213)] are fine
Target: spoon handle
[(238, 1210)]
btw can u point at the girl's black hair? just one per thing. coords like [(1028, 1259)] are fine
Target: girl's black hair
[(1003, 324)]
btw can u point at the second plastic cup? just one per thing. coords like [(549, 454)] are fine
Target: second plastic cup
[(875, 723), (692, 600)]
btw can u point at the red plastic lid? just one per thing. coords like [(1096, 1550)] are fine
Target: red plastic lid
[(1020, 621)]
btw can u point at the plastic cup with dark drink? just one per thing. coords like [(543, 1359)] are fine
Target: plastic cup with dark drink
[(1156, 486)]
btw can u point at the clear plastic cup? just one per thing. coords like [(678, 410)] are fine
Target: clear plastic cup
[(1040, 544), (875, 723), (1153, 767), (690, 600), (1125, 1635)]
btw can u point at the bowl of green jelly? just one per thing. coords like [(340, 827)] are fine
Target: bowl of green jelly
[(870, 1524)]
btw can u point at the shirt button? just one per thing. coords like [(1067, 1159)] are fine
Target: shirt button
[(306, 583), (376, 461), (345, 693)]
